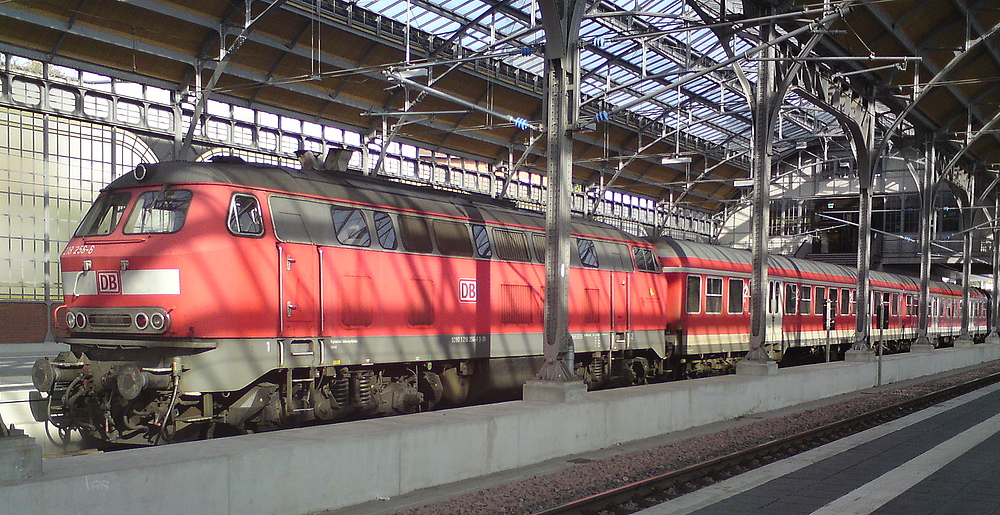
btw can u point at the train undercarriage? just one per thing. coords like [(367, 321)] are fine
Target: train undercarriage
[(112, 398)]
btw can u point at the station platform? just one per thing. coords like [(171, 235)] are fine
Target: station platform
[(339, 466), (940, 460)]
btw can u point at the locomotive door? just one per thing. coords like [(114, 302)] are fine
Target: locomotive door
[(298, 283), (621, 285)]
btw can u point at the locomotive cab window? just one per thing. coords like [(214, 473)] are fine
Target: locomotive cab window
[(159, 212), (351, 227), (692, 295), (103, 217), (245, 216), (588, 253)]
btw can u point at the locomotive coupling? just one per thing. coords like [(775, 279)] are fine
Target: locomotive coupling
[(132, 380)]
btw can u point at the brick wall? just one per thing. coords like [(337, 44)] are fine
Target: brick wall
[(22, 322)]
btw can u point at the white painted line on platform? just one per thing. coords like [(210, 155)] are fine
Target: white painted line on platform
[(747, 481), (871, 496)]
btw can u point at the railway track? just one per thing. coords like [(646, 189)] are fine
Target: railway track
[(651, 491)]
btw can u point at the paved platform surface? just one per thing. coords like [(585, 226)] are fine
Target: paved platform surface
[(942, 460)]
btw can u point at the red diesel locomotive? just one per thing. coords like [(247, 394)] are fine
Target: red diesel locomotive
[(210, 298)]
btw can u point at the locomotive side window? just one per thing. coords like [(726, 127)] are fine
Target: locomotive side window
[(613, 256), (482, 239), (791, 298), (104, 215), (159, 212), (416, 235), (351, 227), (511, 245), (588, 253), (302, 221), (692, 295), (385, 230), (244, 216), (713, 295), (736, 297), (645, 260), (539, 241), (452, 238)]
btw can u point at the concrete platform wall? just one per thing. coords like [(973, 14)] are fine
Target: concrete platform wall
[(312, 469)]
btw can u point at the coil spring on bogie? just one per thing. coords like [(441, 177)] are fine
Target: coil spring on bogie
[(362, 388), (342, 390), (596, 369)]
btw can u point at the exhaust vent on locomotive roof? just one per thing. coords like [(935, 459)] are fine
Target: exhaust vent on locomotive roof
[(233, 160), (336, 160)]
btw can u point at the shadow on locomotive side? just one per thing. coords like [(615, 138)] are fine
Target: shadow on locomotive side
[(216, 298)]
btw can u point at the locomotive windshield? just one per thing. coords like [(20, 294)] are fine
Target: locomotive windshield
[(159, 212), (104, 215)]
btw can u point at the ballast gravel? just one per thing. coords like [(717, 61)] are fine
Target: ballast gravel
[(591, 477)]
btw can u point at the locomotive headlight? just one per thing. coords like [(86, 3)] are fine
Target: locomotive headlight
[(81, 320), (141, 321), (157, 321), (70, 319)]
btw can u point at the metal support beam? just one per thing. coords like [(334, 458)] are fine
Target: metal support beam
[(561, 20), (968, 216), (861, 350), (758, 358), (994, 337), (927, 187)]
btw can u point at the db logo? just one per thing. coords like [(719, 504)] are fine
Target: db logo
[(109, 282), (467, 290)]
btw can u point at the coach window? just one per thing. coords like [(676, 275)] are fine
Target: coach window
[(511, 245), (736, 297), (693, 294), (351, 227), (894, 305), (820, 300), (713, 295), (244, 216), (482, 238), (452, 238), (833, 294), (845, 301), (588, 253), (415, 234), (791, 298), (385, 231), (805, 300)]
